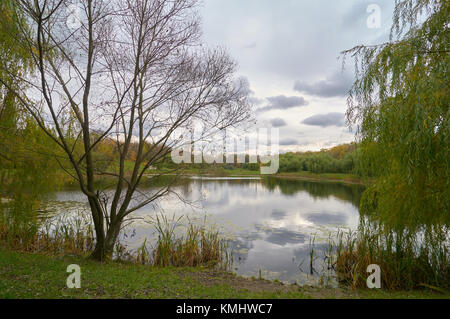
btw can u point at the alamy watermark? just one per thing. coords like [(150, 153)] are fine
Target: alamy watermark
[(74, 279), (374, 279), (260, 146), (374, 19), (73, 20)]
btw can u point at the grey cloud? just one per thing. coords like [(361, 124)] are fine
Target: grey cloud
[(327, 219), (259, 35), (273, 25), (285, 102), (288, 141), (325, 120), (278, 215), (338, 84), (255, 101), (283, 236), (278, 122), (282, 102)]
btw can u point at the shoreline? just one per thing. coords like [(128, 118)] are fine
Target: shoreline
[(348, 179), (307, 176)]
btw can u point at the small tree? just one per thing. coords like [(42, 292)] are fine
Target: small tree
[(130, 71)]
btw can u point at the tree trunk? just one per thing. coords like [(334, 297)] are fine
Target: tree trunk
[(104, 246), (99, 252)]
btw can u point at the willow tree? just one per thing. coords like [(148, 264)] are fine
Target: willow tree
[(130, 71), (26, 166), (400, 102), (23, 149), (16, 61)]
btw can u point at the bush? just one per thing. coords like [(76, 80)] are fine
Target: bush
[(341, 159)]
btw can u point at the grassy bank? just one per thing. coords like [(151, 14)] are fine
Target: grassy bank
[(25, 275), (329, 177)]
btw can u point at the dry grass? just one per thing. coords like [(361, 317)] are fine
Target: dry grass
[(198, 245), (406, 261), (54, 238)]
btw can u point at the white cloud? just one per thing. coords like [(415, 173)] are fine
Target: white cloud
[(278, 44)]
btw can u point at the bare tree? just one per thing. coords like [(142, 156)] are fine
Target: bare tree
[(132, 71)]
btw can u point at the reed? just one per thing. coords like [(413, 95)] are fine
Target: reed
[(408, 259), (198, 245), (57, 237)]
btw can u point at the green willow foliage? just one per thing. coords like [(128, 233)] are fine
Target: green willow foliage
[(27, 165), (400, 101), (12, 57)]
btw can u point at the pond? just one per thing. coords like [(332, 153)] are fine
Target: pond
[(272, 223)]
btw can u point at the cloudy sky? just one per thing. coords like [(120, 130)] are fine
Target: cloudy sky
[(288, 50)]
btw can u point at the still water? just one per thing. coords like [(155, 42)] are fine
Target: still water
[(272, 223)]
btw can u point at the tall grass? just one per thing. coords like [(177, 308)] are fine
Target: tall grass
[(408, 259), (54, 237), (197, 245)]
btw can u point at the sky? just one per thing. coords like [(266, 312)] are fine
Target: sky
[(288, 50)]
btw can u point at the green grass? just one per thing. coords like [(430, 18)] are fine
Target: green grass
[(38, 276)]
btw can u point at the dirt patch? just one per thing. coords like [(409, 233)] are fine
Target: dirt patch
[(214, 277), (329, 293)]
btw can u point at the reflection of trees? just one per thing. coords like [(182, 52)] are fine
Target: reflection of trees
[(350, 193)]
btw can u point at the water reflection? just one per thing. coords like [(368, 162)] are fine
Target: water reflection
[(350, 193), (269, 221)]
